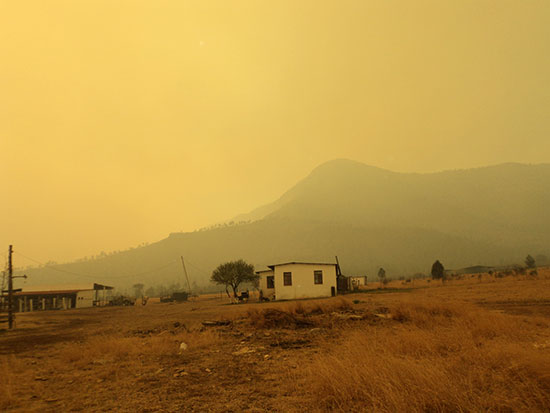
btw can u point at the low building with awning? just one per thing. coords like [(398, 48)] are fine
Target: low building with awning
[(62, 297)]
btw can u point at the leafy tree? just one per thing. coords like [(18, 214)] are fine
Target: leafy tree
[(138, 290), (382, 276), (438, 271), (232, 274), (530, 262)]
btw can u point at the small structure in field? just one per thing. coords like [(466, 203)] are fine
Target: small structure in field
[(293, 280), (63, 297), (176, 297), (357, 281)]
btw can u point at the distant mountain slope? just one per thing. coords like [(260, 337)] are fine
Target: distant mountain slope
[(367, 216), (497, 204)]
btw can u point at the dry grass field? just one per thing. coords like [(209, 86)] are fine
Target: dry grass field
[(469, 345)]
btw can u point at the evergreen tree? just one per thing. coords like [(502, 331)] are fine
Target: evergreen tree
[(438, 271), (530, 262)]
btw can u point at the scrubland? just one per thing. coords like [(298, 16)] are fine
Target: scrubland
[(469, 345)]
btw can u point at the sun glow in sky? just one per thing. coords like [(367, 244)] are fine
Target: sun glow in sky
[(122, 121)]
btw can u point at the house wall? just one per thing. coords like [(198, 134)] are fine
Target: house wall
[(85, 298), (303, 285), (266, 292)]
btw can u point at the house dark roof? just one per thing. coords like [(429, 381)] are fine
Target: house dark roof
[(46, 292), (302, 263)]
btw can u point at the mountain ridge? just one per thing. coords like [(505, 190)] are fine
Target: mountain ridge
[(266, 209), (368, 216)]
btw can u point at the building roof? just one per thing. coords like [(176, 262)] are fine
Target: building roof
[(262, 271), (302, 263), (63, 289), (47, 292)]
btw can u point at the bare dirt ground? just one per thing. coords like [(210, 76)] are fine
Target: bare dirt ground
[(274, 356)]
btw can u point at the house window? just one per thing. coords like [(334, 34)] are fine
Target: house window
[(318, 277), (287, 278), (270, 281)]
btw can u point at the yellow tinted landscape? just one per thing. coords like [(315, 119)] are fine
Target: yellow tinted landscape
[(470, 344)]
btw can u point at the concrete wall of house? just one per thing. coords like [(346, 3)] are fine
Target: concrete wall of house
[(266, 292), (303, 285), (85, 298)]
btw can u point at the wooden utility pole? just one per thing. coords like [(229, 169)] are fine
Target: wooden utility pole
[(10, 288), (186, 276)]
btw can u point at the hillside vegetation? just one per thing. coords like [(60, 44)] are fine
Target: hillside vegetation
[(368, 216)]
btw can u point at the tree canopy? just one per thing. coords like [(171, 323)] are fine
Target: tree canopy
[(530, 262), (438, 271), (382, 276), (233, 273), (138, 290)]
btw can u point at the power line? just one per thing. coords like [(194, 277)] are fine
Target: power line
[(197, 268), (56, 269)]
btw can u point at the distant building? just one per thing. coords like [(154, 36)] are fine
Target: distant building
[(293, 280), (357, 281), (62, 297)]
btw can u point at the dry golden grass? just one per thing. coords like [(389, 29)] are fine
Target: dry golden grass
[(436, 357), (295, 314), (9, 381), (468, 345), (115, 348)]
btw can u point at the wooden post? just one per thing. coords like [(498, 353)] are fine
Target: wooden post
[(10, 287)]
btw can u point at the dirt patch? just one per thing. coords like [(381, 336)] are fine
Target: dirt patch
[(275, 318), (23, 340), (520, 307)]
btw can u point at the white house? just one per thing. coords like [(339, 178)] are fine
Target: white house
[(294, 280)]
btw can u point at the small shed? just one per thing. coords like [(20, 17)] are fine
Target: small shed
[(357, 281)]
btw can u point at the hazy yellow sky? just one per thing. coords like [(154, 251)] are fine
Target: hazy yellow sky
[(122, 121)]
